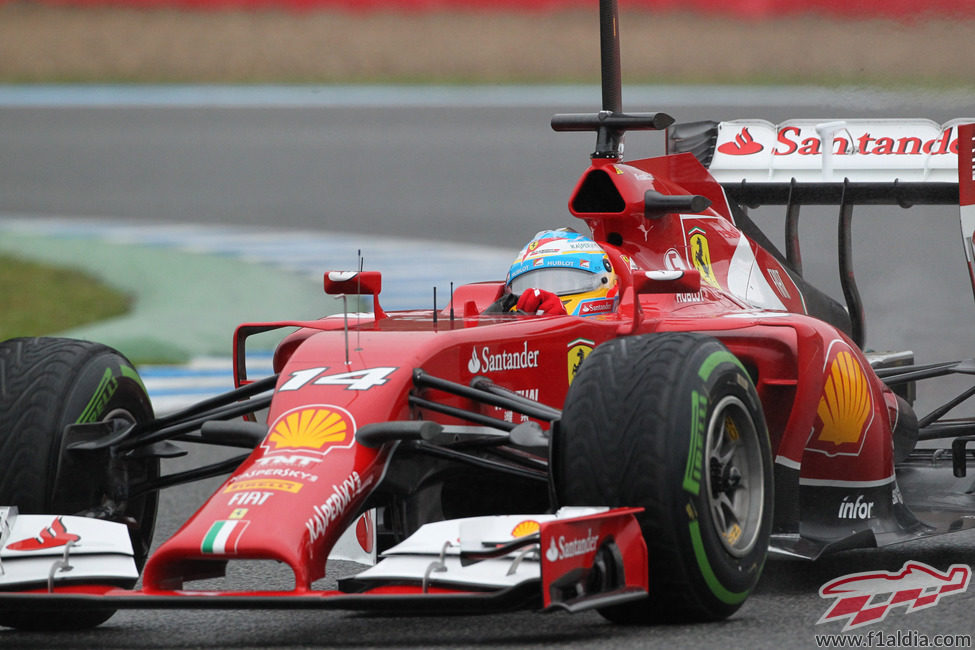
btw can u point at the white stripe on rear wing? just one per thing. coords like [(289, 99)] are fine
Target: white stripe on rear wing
[(861, 150)]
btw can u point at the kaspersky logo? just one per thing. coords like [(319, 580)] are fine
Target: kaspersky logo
[(865, 598)]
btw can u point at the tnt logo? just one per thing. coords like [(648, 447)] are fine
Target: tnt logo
[(865, 598)]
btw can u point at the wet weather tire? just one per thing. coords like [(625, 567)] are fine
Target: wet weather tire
[(47, 384), (672, 423)]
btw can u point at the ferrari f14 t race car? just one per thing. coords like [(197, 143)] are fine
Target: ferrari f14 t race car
[(639, 450)]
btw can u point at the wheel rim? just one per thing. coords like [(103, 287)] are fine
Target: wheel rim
[(735, 476)]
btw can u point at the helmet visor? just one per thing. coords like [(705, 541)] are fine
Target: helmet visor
[(560, 281)]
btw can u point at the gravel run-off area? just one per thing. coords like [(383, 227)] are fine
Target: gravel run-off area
[(41, 43)]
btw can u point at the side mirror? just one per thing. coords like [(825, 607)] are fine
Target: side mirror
[(356, 283), (677, 281), (361, 283)]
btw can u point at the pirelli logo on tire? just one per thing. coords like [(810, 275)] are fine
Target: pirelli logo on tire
[(103, 395), (692, 470)]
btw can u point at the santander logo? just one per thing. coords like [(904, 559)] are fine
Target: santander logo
[(743, 145), (563, 549), (920, 138), (493, 361), (552, 554)]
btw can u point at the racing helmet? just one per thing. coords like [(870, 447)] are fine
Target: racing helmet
[(570, 265)]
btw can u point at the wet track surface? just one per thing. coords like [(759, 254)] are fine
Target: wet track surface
[(490, 176)]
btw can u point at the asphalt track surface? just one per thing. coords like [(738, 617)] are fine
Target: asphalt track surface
[(434, 165)]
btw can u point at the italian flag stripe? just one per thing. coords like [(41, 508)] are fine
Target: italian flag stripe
[(223, 536)]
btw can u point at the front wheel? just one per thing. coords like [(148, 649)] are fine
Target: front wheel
[(49, 384), (672, 423)]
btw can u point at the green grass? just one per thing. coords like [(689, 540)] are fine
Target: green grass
[(37, 300)]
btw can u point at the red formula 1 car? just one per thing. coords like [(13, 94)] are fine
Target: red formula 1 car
[(643, 459)]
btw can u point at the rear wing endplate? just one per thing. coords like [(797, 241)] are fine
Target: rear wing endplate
[(966, 194)]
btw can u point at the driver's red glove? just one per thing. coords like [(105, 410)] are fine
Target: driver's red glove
[(539, 301)]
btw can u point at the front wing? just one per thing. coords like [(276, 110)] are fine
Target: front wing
[(574, 560)]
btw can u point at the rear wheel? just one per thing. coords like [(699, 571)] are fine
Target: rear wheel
[(47, 385), (672, 423)]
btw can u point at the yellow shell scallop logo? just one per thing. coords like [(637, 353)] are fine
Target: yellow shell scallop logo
[(310, 428), (845, 404), (527, 527)]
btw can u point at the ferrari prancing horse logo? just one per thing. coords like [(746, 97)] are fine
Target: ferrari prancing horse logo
[(701, 257), (579, 349)]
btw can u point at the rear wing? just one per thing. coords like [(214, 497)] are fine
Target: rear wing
[(901, 162), (818, 151)]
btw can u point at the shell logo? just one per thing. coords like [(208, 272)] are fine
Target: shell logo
[(316, 427), (527, 527), (846, 403)]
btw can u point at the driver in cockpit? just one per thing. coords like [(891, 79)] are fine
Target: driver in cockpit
[(560, 272)]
